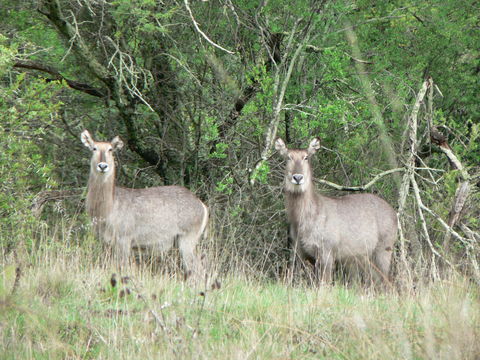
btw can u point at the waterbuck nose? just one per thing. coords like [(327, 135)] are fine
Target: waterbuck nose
[(298, 178), (103, 167)]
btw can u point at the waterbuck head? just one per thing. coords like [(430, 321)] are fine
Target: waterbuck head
[(102, 163), (298, 172)]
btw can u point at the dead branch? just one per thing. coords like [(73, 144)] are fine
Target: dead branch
[(474, 236), (440, 140), (445, 225), (410, 169), (53, 11), (127, 73), (463, 188), (71, 35), (362, 187), (461, 196), (412, 138), (44, 197), (280, 88), (88, 89), (195, 24), (454, 161), (422, 207)]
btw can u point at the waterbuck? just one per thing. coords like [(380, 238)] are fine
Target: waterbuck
[(151, 219), (357, 230)]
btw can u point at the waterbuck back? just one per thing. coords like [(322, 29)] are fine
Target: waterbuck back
[(357, 230), (151, 219)]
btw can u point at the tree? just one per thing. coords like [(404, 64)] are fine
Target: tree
[(199, 90)]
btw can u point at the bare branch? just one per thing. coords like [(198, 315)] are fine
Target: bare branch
[(454, 161), (127, 73), (88, 89), (412, 137), (474, 236), (279, 94), (187, 6), (70, 34), (409, 173), (362, 187), (445, 225), (463, 188), (44, 197), (421, 207)]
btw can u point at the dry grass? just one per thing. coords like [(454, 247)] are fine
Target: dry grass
[(64, 306)]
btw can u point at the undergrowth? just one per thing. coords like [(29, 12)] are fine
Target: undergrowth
[(60, 302)]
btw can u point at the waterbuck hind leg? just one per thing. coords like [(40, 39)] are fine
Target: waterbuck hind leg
[(381, 266), (192, 264)]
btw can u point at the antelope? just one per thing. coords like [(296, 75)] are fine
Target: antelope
[(150, 219), (356, 229)]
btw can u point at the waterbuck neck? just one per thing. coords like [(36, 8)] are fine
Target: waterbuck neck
[(302, 205), (100, 196)]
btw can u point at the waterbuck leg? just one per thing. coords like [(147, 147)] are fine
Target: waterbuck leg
[(324, 267), (295, 260), (294, 256), (298, 261), (381, 264), (191, 262), (352, 270), (122, 253)]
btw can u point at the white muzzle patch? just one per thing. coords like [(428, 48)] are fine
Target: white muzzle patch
[(297, 179), (103, 167)]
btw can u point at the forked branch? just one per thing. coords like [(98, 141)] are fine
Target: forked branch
[(362, 187), (280, 87)]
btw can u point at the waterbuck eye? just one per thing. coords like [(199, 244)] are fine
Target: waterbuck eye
[(305, 158), (95, 148), (111, 149)]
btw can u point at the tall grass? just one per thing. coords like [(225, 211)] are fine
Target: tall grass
[(64, 304)]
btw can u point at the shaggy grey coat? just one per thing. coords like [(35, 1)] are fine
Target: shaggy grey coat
[(358, 229), (151, 219)]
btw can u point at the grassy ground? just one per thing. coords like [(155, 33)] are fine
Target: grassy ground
[(63, 305)]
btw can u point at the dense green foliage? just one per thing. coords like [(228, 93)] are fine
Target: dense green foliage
[(199, 90)]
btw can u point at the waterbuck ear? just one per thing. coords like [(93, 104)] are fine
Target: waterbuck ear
[(117, 143), (87, 139), (314, 146), (280, 147)]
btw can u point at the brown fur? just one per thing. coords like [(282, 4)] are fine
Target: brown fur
[(358, 229), (152, 219)]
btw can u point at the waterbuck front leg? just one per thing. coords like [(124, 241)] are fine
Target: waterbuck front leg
[(123, 249), (120, 246), (297, 256), (295, 261), (324, 261)]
